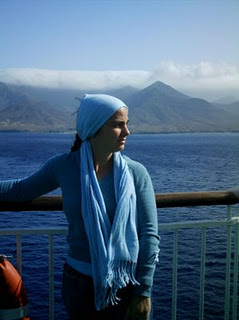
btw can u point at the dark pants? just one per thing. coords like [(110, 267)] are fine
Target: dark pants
[(78, 296)]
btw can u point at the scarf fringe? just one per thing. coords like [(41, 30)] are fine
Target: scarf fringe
[(119, 275)]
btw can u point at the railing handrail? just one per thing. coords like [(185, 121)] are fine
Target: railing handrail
[(163, 200), (199, 198)]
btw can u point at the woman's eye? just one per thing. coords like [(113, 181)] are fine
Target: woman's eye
[(120, 124), (117, 125)]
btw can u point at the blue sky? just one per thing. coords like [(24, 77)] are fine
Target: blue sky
[(192, 45)]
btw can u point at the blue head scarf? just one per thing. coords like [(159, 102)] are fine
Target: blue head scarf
[(113, 247), (94, 111)]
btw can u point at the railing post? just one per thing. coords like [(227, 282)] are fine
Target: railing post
[(228, 265), (51, 277), (175, 275), (19, 253), (235, 280), (202, 274)]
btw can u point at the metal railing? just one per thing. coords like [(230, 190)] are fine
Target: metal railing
[(228, 198)]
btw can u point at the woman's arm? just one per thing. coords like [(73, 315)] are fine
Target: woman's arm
[(39, 183), (148, 243), (147, 233)]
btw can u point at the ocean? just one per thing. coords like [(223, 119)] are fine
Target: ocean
[(176, 163)]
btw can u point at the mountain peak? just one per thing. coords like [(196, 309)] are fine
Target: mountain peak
[(163, 89)]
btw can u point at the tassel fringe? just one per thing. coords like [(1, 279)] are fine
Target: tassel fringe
[(119, 275)]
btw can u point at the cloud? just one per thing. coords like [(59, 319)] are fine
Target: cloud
[(202, 77), (74, 79)]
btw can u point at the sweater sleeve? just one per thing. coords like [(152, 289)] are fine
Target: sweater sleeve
[(37, 184), (147, 231)]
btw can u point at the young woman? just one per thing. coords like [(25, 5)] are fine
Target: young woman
[(110, 207)]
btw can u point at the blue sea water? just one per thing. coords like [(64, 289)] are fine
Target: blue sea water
[(176, 163)]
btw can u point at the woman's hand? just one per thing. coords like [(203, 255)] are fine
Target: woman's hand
[(139, 308)]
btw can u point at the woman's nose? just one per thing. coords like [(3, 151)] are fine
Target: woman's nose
[(125, 131)]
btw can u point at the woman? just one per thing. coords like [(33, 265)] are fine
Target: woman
[(110, 206)]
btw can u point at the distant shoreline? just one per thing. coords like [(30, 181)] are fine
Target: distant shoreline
[(73, 132)]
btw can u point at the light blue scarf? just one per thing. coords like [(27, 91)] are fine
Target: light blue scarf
[(113, 248)]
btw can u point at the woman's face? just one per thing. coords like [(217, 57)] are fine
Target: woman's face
[(112, 136)]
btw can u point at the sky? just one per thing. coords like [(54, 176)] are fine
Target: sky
[(191, 45)]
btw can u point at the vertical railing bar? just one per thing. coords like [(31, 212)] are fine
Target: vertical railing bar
[(202, 274), (19, 253), (175, 267), (229, 212), (51, 277), (228, 266), (235, 282)]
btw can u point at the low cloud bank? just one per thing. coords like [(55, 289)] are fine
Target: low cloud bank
[(205, 77)]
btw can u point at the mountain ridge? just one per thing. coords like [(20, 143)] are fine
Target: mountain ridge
[(154, 109)]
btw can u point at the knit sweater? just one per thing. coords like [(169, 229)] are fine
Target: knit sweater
[(63, 171)]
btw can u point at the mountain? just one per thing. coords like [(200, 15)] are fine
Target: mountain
[(225, 100), (168, 110), (157, 108), (65, 98), (8, 95), (122, 93), (232, 108), (19, 112)]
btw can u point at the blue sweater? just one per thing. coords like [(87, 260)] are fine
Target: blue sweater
[(63, 171)]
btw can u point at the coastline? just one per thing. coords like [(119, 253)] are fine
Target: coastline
[(132, 132)]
